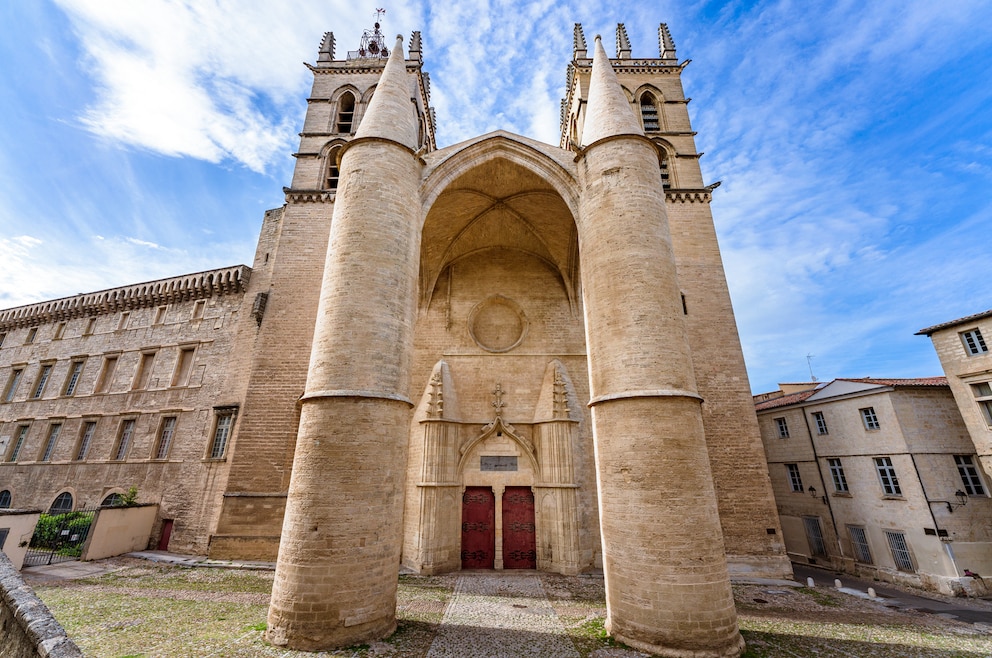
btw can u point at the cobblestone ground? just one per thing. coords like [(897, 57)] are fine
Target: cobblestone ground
[(501, 616), (143, 609)]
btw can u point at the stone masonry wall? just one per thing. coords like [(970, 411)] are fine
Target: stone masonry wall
[(27, 627)]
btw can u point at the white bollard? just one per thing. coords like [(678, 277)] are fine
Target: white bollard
[(837, 583), (810, 583), (871, 592)]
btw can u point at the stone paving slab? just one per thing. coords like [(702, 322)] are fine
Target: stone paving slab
[(500, 616)]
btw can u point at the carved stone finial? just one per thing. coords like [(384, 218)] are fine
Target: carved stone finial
[(560, 401), (578, 43), (326, 52), (497, 402), (435, 407), (666, 47), (623, 43)]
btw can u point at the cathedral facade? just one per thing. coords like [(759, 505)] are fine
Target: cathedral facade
[(500, 354)]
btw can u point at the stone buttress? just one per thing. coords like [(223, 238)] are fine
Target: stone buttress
[(336, 575), (667, 586)]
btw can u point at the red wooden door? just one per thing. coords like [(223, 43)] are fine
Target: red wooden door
[(478, 528), (519, 543), (163, 542)]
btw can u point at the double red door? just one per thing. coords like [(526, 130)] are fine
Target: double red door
[(479, 528)]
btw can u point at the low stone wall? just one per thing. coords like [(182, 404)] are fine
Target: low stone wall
[(27, 628)]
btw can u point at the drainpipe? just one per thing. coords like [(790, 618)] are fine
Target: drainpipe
[(823, 481), (936, 526)]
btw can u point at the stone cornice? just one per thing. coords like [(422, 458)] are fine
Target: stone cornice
[(223, 281), (308, 196), (689, 196)]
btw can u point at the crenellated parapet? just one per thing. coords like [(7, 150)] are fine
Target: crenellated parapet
[(223, 281)]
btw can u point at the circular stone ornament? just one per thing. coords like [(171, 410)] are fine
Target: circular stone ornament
[(497, 324)]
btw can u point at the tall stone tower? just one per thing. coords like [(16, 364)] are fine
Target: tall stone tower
[(521, 356)]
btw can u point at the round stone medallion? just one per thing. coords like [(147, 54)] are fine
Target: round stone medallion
[(497, 324)]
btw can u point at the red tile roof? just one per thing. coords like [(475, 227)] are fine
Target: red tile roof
[(785, 400), (916, 381), (944, 325)]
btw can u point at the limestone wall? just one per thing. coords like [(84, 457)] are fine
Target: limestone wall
[(27, 627)]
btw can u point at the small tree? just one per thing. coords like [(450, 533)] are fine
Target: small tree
[(130, 498)]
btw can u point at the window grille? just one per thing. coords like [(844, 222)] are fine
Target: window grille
[(900, 551), (859, 541), (814, 533)]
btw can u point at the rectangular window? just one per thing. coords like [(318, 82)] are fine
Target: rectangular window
[(85, 439), (90, 326), (221, 433), (107, 374), (198, 309), (53, 437), (159, 315), (795, 480), (814, 533), (900, 551), (39, 388), (3, 337), (783, 428), (970, 478), (821, 422), (75, 370), (122, 323), (837, 474), (32, 334), (123, 440), (974, 343), (869, 418), (143, 376), (859, 541), (15, 379), (184, 364), (165, 437), (983, 395), (22, 434), (887, 476), (59, 330)]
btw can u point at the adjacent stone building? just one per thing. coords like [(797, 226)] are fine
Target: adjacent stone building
[(965, 357), (499, 354), (878, 477)]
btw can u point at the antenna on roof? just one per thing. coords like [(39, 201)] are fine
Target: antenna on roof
[(809, 362)]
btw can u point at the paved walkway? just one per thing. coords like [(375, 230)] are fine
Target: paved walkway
[(500, 615), (969, 610)]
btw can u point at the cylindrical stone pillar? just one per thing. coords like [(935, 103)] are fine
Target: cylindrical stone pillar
[(337, 571), (667, 587)]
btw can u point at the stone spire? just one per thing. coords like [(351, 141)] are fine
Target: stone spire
[(391, 114), (666, 47), (609, 113), (326, 52), (578, 42), (623, 43)]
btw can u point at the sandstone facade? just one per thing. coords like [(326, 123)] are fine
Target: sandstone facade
[(879, 478), (477, 356)]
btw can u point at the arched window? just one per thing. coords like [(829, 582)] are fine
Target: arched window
[(113, 500), (649, 113), (331, 179), (4, 499), (346, 112), (62, 503)]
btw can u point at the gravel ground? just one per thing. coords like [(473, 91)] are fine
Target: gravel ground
[(148, 609)]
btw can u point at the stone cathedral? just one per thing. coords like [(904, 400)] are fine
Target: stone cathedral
[(500, 354)]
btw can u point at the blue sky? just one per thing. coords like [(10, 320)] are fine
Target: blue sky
[(142, 139)]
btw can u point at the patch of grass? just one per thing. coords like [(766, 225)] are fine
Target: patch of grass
[(260, 626), (821, 597)]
